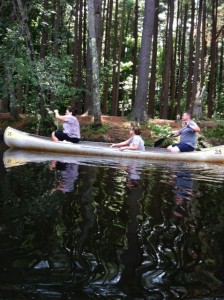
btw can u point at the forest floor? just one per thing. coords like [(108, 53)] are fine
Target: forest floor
[(116, 129)]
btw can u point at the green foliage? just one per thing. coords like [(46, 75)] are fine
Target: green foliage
[(215, 132), (91, 129), (158, 131)]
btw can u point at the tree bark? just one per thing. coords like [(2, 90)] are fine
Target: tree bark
[(152, 84), (139, 111), (211, 81), (95, 64), (167, 62), (190, 58), (196, 105)]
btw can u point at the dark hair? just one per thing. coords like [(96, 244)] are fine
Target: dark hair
[(136, 130), (72, 110)]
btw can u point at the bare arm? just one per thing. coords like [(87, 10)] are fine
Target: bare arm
[(59, 117), (118, 145)]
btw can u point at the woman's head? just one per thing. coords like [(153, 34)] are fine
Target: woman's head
[(71, 110), (136, 130)]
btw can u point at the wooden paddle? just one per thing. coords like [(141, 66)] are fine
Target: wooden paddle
[(160, 141)]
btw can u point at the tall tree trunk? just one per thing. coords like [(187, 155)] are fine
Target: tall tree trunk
[(152, 84), (118, 67), (44, 35), (95, 63), (190, 58), (173, 67), (196, 105), (107, 56), (134, 56), (182, 55), (139, 111), (57, 28), (114, 78), (211, 80), (204, 45), (168, 56)]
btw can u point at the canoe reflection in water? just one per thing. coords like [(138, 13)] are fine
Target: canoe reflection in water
[(68, 175)]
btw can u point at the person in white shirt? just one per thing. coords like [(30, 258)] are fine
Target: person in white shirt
[(135, 142)]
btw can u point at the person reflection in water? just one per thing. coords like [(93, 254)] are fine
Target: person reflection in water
[(69, 174), (183, 192)]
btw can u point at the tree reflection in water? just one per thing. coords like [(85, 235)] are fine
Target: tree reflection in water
[(112, 231)]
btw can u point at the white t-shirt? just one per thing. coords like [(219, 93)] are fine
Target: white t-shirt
[(137, 140)]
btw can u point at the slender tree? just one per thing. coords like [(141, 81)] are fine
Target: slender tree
[(167, 63), (152, 85), (139, 111), (213, 49), (95, 63)]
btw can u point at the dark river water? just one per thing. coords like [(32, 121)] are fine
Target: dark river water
[(92, 228)]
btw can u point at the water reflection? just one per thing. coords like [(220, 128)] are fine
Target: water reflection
[(68, 175), (113, 229)]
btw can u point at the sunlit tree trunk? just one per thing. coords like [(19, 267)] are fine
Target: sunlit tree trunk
[(95, 63), (139, 111)]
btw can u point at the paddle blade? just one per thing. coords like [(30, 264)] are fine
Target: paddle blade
[(159, 142)]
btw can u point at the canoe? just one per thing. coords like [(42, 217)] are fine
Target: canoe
[(18, 139)]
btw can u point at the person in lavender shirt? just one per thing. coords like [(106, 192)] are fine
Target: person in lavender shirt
[(71, 127)]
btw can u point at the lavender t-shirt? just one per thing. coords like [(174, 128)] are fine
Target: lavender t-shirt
[(71, 127)]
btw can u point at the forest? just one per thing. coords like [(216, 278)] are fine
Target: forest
[(141, 59)]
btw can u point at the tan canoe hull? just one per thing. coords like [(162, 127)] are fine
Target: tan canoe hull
[(18, 139)]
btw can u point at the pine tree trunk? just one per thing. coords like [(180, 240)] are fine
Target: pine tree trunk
[(152, 84), (44, 35), (139, 111), (211, 81), (191, 58), (169, 51), (196, 104), (182, 43), (107, 56), (95, 64)]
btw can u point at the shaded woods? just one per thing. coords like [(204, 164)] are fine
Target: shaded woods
[(151, 58)]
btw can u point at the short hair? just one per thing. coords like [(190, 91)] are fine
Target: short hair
[(188, 113)]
